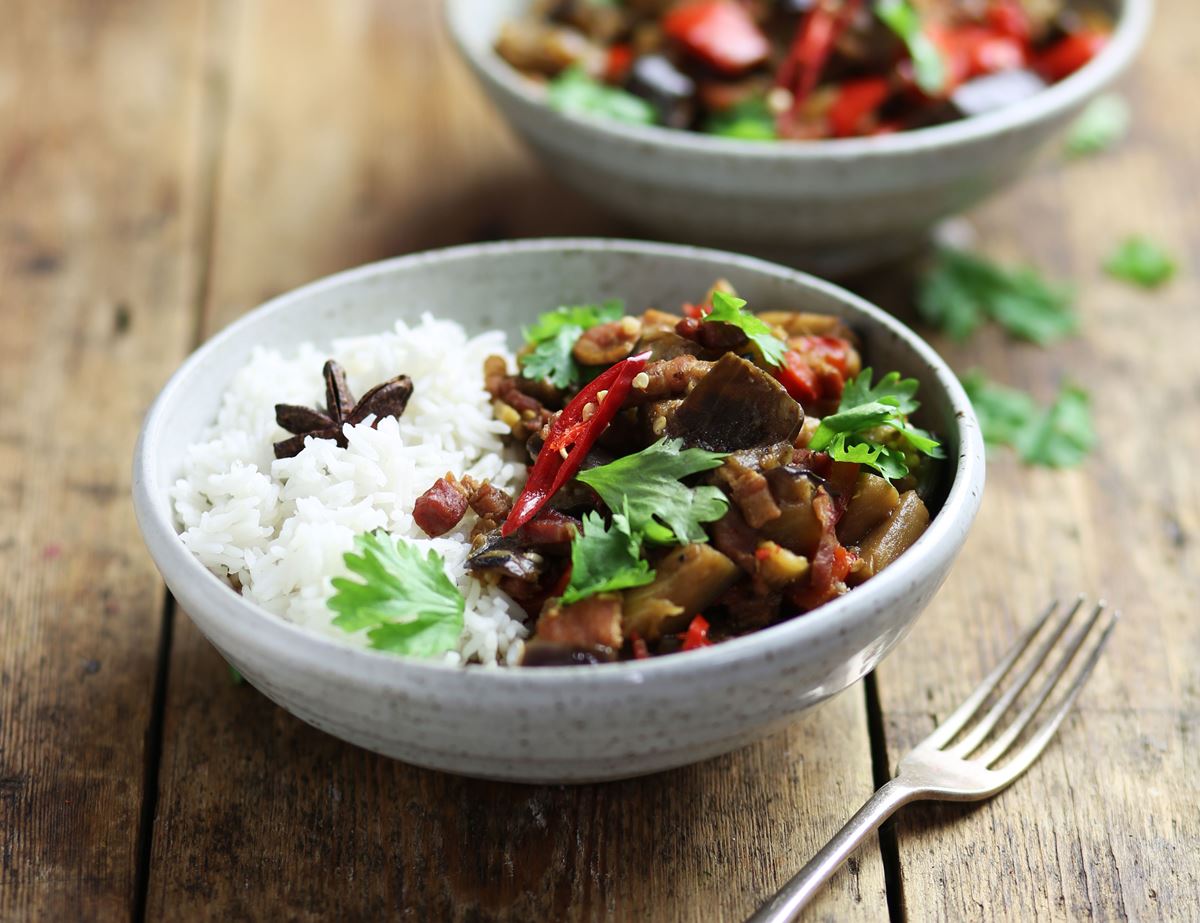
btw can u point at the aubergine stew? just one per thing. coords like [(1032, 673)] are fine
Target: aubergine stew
[(692, 477), (800, 69)]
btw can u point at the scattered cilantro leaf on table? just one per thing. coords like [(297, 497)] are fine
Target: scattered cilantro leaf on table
[(576, 92), (726, 309), (1141, 261), (963, 290), (1059, 436), (553, 337), (604, 560), (852, 435), (405, 601), (1101, 125), (903, 19), (647, 486)]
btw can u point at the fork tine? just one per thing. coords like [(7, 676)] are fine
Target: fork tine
[(1001, 744), (945, 731), (980, 731), (1036, 744)]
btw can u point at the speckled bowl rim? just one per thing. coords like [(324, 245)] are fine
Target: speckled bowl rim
[(250, 624), (1133, 24)]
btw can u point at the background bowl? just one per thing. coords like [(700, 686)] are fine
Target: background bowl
[(831, 206), (554, 724)]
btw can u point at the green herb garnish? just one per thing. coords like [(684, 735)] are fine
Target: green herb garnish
[(747, 121), (902, 18), (604, 560), (553, 337), (963, 290), (405, 601), (647, 486), (871, 426), (726, 309), (576, 92), (1059, 436), (1101, 125), (1141, 261)]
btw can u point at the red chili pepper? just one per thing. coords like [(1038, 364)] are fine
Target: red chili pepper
[(722, 32), (620, 60), (973, 51), (855, 101), (1008, 17), (573, 435), (697, 634), (1069, 54), (812, 46)]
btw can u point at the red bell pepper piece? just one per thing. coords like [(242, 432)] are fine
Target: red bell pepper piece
[(620, 60), (1069, 54), (1008, 17), (973, 51), (697, 634), (721, 32), (571, 437), (815, 369), (855, 101)]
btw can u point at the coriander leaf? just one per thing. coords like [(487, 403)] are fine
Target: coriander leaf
[(406, 602), (891, 389), (575, 92), (728, 310), (553, 337), (647, 486), (855, 420), (1064, 435), (748, 121), (963, 289), (1004, 413), (903, 19), (1101, 125), (604, 560), (1141, 261)]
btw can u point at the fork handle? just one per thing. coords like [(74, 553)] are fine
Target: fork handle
[(793, 897)]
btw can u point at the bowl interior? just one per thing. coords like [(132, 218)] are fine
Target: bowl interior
[(506, 286)]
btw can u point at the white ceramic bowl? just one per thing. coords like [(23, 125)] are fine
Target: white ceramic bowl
[(830, 206), (551, 724)]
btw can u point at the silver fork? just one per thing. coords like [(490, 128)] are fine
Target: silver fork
[(943, 768)]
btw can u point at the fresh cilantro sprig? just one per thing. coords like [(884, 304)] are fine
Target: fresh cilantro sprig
[(1141, 261), (554, 335), (867, 416), (903, 19), (606, 559), (1059, 436), (647, 485), (1101, 125), (963, 290), (576, 92), (405, 601), (751, 120), (726, 309)]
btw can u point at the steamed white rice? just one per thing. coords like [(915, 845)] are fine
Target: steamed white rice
[(281, 527)]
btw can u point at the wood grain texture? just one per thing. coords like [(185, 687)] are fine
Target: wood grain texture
[(332, 159), (1107, 825), (98, 104)]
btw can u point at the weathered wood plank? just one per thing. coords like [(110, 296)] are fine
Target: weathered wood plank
[(1105, 826), (353, 136), (97, 224)]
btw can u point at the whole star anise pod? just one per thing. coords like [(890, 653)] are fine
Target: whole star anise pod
[(386, 400)]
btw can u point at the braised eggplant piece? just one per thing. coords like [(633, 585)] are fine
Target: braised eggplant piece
[(688, 580), (736, 406)]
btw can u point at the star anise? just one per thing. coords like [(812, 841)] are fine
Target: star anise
[(386, 400)]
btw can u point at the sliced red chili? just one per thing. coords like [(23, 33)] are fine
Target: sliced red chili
[(572, 436), (620, 60), (697, 634), (721, 32), (810, 49)]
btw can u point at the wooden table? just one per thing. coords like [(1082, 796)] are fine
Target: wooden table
[(166, 166)]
